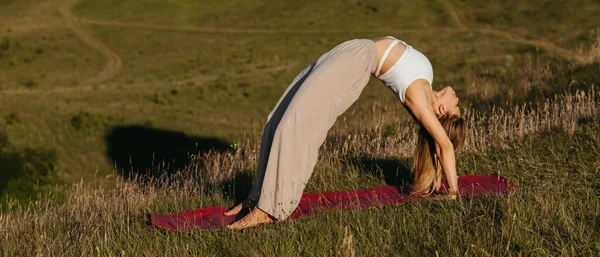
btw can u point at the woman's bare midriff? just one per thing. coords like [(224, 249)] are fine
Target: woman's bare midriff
[(382, 44)]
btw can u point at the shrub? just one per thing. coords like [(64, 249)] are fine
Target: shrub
[(12, 119), (3, 140), (160, 98), (243, 85), (5, 45), (25, 173), (90, 123), (30, 84)]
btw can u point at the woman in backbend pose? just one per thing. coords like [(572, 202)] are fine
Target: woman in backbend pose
[(299, 123)]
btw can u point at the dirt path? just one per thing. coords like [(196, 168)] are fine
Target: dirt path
[(540, 43), (113, 61), (455, 15), (564, 53), (36, 16), (43, 15), (223, 30)]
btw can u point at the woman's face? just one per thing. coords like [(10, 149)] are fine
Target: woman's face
[(447, 98)]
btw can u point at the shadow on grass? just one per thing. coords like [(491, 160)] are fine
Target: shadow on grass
[(238, 187), (138, 150), (395, 172)]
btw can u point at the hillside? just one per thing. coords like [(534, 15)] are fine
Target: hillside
[(94, 92)]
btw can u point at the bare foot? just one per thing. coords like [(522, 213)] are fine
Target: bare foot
[(244, 205), (254, 218)]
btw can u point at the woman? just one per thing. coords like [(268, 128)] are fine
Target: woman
[(298, 125)]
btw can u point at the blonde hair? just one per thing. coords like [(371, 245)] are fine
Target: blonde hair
[(427, 170)]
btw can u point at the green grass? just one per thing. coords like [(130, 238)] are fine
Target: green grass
[(223, 84), (269, 14), (214, 70), (564, 23), (45, 60)]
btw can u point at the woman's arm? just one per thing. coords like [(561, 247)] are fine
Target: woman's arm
[(418, 101)]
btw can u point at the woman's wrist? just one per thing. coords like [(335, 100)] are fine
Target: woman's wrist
[(453, 187), (453, 193)]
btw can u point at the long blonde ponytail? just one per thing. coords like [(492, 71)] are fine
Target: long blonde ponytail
[(426, 169)]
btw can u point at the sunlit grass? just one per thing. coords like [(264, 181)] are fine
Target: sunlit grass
[(533, 116)]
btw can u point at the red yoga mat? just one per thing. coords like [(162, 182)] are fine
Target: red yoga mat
[(213, 218)]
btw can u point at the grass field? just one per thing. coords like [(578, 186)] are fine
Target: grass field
[(92, 88)]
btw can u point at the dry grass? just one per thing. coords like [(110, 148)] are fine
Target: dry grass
[(591, 53), (566, 112), (92, 220)]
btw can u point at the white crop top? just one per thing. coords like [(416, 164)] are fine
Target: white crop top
[(411, 65)]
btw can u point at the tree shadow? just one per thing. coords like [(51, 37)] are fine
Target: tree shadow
[(395, 172), (139, 150)]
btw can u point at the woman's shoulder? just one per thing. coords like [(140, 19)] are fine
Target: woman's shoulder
[(417, 93)]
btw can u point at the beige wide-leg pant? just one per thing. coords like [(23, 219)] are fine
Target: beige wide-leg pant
[(298, 124)]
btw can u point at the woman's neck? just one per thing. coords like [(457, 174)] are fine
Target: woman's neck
[(433, 96)]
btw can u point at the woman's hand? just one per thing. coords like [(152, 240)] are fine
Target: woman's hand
[(452, 193)]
